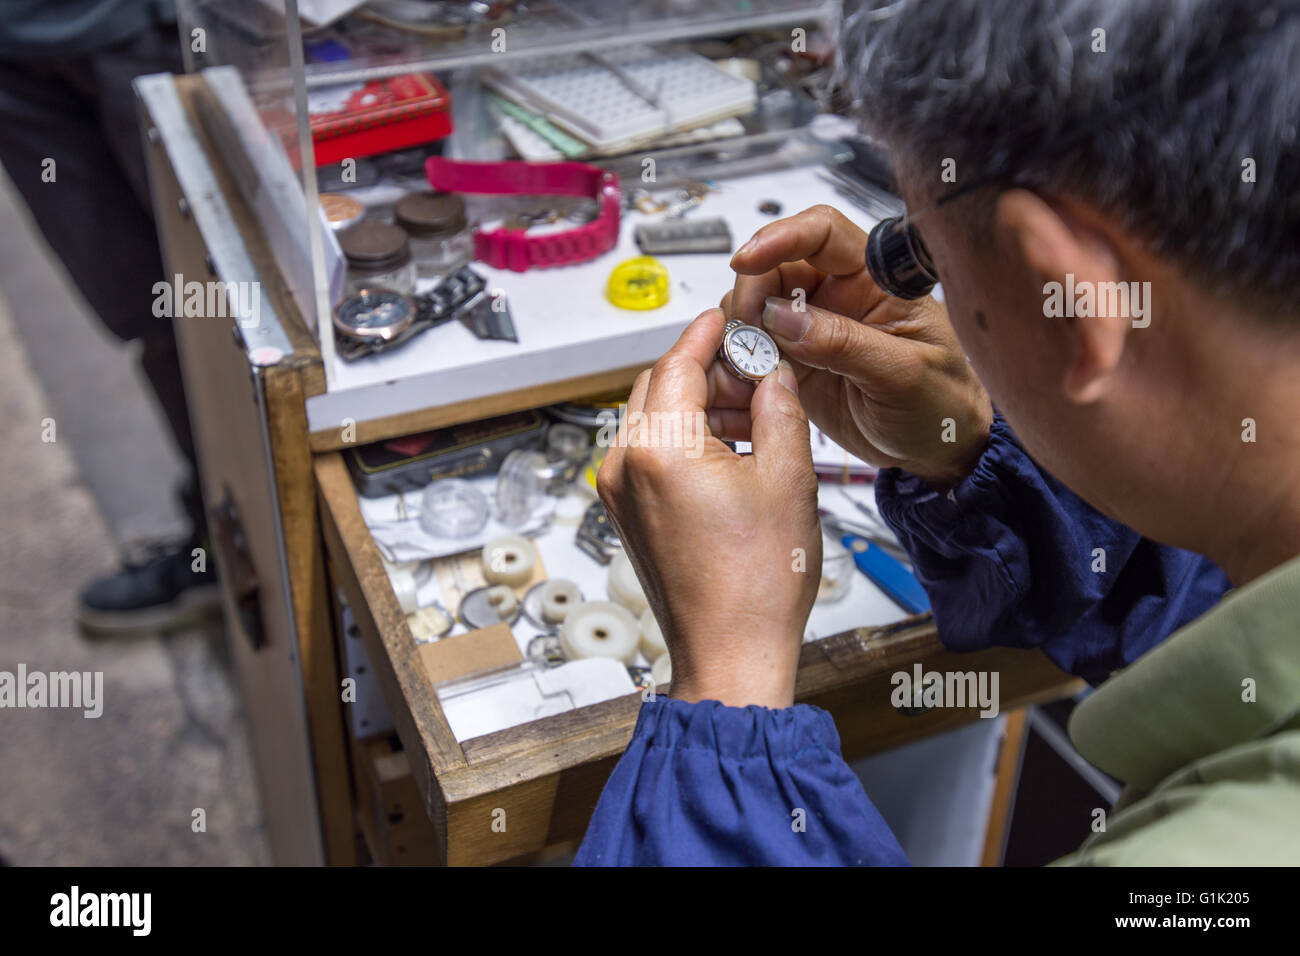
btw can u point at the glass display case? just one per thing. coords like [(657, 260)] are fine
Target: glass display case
[(426, 283)]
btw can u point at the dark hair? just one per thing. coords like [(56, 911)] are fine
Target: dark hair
[(1162, 111)]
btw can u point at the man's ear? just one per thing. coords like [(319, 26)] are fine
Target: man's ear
[(1057, 242)]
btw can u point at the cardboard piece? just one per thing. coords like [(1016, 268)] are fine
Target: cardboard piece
[(470, 653)]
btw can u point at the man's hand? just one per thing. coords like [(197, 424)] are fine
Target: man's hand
[(728, 547), (883, 377)]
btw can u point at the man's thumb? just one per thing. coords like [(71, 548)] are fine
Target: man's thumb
[(779, 434)]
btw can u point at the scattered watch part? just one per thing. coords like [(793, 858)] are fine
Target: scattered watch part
[(638, 284), (453, 508), (548, 648), (599, 629), (567, 448), (653, 645), (509, 559), (662, 671), (770, 207), (581, 209), (682, 207), (641, 676), (642, 201), (429, 623), (624, 586), (488, 316), (486, 606), (596, 536)]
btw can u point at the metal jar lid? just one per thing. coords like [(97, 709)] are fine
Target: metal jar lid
[(430, 214), (374, 246)]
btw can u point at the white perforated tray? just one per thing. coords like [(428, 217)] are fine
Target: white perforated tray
[(594, 103)]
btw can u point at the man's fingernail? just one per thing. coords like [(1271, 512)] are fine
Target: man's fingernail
[(781, 319), (785, 375), (747, 248)]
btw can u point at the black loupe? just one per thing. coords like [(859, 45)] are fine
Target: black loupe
[(898, 260)]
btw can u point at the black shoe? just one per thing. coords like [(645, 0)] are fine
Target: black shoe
[(157, 590)]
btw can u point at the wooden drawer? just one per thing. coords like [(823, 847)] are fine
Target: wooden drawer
[(520, 791)]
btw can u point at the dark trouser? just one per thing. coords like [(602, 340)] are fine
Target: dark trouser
[(96, 215)]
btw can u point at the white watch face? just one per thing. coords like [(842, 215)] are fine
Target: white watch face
[(752, 352)]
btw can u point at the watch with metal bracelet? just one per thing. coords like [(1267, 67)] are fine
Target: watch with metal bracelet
[(748, 352), (514, 249)]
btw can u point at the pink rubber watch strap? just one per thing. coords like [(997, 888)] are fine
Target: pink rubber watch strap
[(514, 249)]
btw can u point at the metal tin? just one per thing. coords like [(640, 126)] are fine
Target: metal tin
[(341, 211)]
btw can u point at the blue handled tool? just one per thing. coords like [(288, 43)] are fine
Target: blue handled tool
[(888, 573)]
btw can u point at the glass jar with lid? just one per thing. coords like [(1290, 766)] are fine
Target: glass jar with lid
[(378, 254), (439, 231)]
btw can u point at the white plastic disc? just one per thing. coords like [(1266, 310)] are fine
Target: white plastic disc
[(599, 629), (662, 671), (509, 559), (623, 585), (558, 597), (652, 638)]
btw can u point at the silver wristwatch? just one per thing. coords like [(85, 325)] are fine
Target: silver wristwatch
[(748, 352)]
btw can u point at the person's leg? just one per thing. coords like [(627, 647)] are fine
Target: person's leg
[(106, 79), (69, 141)]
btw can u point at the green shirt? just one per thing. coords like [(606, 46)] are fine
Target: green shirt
[(1205, 732)]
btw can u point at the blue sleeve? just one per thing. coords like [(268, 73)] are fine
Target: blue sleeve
[(1010, 556), (703, 784)]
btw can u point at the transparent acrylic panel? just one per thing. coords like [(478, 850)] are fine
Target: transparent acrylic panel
[(249, 54), (281, 73)]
